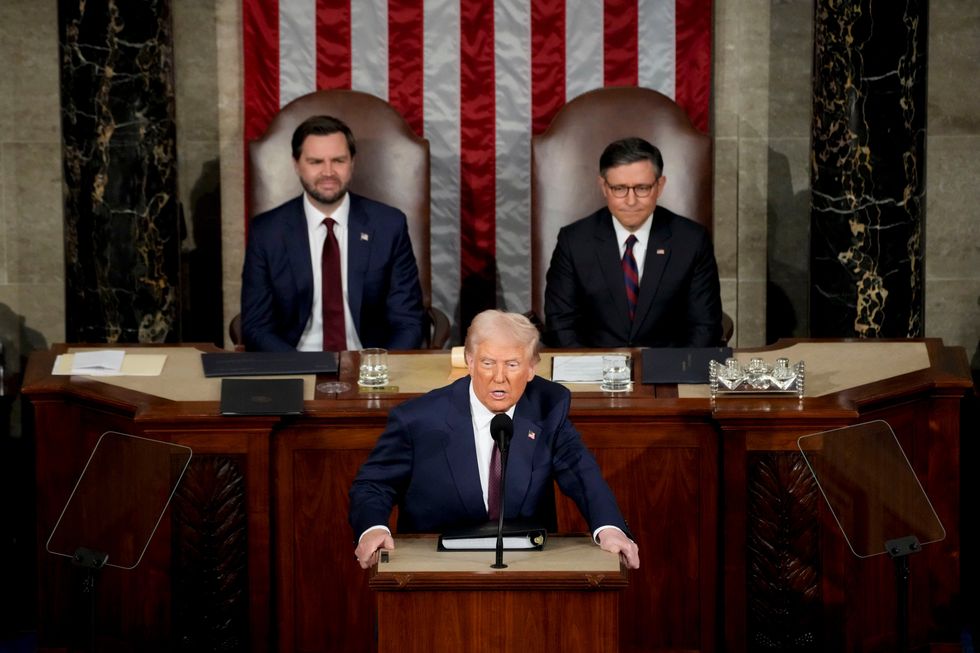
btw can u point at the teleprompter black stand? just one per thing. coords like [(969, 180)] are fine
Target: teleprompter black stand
[(115, 508), (877, 500)]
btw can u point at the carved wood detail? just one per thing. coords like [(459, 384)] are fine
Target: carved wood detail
[(210, 581), (783, 559)]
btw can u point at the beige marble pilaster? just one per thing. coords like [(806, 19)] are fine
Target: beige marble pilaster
[(32, 291), (952, 191), (741, 123), (231, 121)]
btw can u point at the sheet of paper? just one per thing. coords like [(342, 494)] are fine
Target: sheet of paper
[(488, 543), (577, 369), (101, 361), (132, 365)]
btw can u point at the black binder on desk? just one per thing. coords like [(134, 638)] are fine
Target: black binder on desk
[(261, 396), (518, 536), (681, 364), (262, 363)]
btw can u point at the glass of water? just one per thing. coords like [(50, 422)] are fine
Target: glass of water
[(374, 368), (616, 374)]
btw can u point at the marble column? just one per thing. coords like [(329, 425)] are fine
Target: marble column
[(122, 227), (867, 213)]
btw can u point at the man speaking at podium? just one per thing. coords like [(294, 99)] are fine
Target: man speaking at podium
[(434, 459)]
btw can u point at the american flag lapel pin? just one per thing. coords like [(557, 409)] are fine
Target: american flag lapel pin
[(531, 435), (364, 236)]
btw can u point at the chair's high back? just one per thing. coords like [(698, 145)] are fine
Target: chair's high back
[(565, 164), (391, 165)]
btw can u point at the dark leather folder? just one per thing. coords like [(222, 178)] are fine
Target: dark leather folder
[(681, 364), (518, 536), (261, 396), (262, 363)]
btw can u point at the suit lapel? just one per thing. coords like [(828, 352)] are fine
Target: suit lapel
[(296, 242), (609, 261), (360, 237), (519, 459), (461, 452), (653, 270)]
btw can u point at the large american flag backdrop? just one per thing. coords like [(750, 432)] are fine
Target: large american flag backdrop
[(477, 78)]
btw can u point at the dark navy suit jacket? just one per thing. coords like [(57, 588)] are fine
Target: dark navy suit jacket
[(382, 278), (425, 463), (679, 304)]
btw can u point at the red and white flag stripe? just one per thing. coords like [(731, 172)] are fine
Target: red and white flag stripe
[(477, 78)]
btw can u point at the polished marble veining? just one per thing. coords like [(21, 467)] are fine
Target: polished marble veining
[(122, 228), (868, 169)]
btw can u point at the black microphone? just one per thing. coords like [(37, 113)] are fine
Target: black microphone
[(501, 430)]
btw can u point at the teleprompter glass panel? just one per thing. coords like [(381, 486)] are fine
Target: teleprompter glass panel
[(870, 487), (120, 498)]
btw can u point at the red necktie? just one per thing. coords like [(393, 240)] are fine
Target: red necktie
[(493, 485), (332, 293), (631, 276)]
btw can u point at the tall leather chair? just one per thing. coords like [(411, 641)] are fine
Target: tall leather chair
[(391, 166), (565, 166)]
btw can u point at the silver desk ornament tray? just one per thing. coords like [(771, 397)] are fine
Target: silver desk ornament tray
[(758, 377)]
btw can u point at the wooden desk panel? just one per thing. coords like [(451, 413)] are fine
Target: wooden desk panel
[(700, 484), (563, 598)]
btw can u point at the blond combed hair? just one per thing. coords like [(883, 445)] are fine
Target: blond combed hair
[(502, 326)]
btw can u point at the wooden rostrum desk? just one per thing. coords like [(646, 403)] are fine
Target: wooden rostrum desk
[(738, 551)]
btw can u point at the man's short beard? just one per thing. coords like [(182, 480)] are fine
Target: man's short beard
[(320, 197)]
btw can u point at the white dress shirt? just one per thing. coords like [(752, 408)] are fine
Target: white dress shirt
[(312, 338), (639, 247), (482, 416)]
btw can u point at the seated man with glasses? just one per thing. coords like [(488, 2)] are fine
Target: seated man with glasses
[(633, 274)]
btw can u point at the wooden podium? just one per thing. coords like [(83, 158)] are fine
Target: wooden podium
[(563, 598), (717, 474)]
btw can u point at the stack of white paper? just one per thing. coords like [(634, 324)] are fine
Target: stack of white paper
[(109, 362), (577, 369), (102, 362)]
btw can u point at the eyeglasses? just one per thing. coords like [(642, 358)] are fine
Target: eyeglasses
[(639, 190)]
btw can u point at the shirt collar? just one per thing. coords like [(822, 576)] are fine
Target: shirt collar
[(642, 234), (314, 217), (482, 416)]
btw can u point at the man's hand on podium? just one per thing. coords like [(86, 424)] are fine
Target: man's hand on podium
[(367, 551), (615, 541)]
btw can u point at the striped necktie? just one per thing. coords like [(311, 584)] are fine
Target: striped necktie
[(631, 276)]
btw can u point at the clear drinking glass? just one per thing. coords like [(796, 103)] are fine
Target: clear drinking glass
[(374, 368), (616, 374)]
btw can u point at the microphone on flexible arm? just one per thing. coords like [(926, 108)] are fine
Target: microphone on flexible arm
[(501, 430)]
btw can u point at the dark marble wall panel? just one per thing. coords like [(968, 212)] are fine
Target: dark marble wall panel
[(122, 230), (868, 168)]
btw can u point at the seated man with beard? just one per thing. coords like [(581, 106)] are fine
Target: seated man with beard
[(329, 270)]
